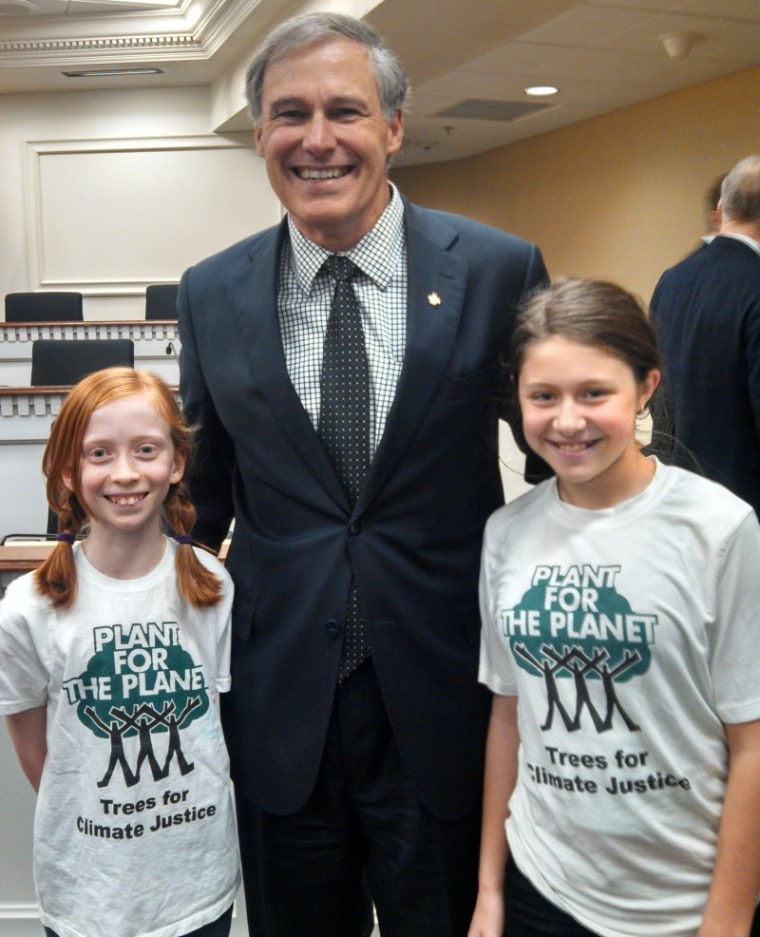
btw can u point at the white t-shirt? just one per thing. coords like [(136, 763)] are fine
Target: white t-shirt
[(629, 635), (134, 832)]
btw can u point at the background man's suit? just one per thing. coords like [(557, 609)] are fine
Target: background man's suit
[(706, 311), (413, 537)]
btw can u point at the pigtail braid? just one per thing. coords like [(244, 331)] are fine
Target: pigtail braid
[(56, 578), (198, 585)]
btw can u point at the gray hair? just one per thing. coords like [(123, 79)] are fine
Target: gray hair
[(313, 28), (740, 192)]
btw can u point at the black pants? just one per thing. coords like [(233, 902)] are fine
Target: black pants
[(218, 928), (529, 914), (362, 837)]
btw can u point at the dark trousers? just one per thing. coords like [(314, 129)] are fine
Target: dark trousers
[(529, 914), (218, 928), (362, 837)]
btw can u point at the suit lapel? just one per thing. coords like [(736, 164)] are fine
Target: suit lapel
[(254, 290), (436, 290)]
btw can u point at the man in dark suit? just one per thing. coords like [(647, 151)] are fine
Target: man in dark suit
[(355, 723), (706, 311)]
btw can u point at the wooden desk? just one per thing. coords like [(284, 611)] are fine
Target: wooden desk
[(21, 557), (156, 344)]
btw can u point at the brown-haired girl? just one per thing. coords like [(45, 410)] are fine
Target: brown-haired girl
[(620, 603), (111, 657)]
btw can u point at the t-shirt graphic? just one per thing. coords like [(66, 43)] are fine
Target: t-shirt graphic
[(575, 631), (140, 683)]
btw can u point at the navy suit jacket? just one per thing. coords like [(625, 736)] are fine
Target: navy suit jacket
[(413, 537), (706, 311)]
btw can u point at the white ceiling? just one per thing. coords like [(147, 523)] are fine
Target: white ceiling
[(601, 54)]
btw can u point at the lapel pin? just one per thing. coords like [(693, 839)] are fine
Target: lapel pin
[(434, 299)]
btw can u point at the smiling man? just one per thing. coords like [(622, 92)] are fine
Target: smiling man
[(341, 369), (327, 141)]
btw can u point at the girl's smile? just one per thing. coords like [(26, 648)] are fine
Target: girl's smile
[(125, 500)]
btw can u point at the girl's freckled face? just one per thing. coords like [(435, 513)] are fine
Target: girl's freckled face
[(127, 464)]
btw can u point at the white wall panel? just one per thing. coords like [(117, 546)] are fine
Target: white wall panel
[(110, 191), (18, 907), (121, 213), (108, 217)]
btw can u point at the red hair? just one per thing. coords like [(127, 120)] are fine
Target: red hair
[(56, 578)]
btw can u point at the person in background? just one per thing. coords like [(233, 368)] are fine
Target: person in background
[(620, 602), (341, 369), (111, 657), (712, 209), (706, 311)]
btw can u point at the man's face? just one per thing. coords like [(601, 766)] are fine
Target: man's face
[(326, 141)]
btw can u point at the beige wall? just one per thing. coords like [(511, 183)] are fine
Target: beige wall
[(619, 196)]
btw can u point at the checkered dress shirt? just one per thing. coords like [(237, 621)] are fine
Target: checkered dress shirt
[(304, 296)]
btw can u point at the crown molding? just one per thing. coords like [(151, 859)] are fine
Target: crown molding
[(110, 44), (192, 30)]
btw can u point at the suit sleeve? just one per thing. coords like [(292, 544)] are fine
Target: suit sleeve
[(536, 277), (661, 408), (211, 465), (752, 359)]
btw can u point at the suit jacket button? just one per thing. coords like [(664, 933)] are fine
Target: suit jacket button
[(333, 628), (354, 528)]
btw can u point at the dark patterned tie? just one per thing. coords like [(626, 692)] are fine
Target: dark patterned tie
[(344, 422)]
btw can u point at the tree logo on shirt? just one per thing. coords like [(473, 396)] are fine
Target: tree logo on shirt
[(141, 685), (575, 631)]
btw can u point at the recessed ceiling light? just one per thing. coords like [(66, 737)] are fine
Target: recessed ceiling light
[(112, 72), (541, 91)]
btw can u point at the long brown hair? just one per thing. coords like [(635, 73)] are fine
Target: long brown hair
[(56, 577), (591, 312)]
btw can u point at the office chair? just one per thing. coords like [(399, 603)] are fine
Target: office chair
[(64, 361), (43, 307), (161, 301)]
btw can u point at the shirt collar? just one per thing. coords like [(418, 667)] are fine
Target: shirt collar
[(751, 243), (376, 254)]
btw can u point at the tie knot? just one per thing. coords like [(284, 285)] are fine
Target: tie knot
[(341, 267)]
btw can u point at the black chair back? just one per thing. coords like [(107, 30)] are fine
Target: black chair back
[(64, 361), (161, 301), (43, 307)]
